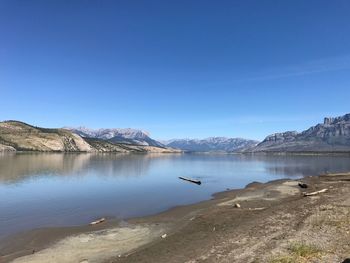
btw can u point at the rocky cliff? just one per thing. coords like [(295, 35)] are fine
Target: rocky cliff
[(332, 135)]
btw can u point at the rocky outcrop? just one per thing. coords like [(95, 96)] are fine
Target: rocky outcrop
[(6, 148), (281, 137), (332, 135)]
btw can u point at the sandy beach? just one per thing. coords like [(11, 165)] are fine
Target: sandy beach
[(271, 222)]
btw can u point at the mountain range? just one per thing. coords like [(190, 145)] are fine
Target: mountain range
[(333, 135), (211, 144), (20, 136), (116, 135)]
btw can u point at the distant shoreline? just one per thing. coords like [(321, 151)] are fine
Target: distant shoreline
[(300, 153), (177, 151)]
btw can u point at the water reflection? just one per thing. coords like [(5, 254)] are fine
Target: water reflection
[(38, 190), (305, 165), (17, 167)]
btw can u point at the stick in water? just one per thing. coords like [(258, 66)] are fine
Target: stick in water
[(190, 180)]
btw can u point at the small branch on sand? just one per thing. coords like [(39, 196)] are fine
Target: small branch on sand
[(316, 193), (98, 221), (257, 208), (190, 180)]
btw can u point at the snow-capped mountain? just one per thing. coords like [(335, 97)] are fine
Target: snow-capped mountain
[(211, 144), (128, 135)]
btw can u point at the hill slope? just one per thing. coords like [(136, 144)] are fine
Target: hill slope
[(22, 136), (330, 136), (108, 146)]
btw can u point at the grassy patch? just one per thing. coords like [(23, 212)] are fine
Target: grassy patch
[(304, 250), (284, 259), (299, 253)]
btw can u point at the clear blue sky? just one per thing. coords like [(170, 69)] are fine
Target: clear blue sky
[(175, 68)]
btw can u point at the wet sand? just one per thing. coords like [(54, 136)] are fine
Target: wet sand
[(270, 221)]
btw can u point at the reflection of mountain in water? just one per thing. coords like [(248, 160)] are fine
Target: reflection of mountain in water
[(17, 167), (127, 165), (306, 165)]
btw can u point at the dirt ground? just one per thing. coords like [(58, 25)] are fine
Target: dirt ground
[(274, 222)]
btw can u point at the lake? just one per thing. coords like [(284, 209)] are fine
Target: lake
[(43, 190)]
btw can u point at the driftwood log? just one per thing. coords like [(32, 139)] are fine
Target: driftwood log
[(190, 180), (257, 208), (316, 192), (98, 221)]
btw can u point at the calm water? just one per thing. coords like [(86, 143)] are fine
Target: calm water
[(38, 190)]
